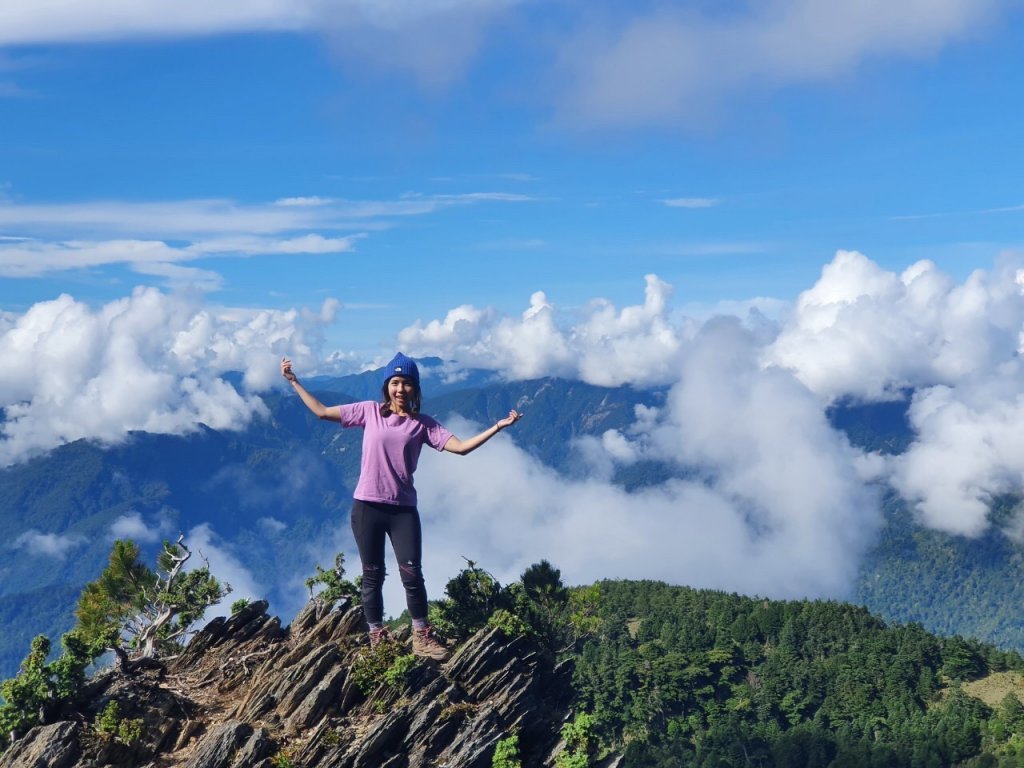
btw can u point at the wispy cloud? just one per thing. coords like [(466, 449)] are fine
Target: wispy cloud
[(32, 258), (611, 65), (670, 63), (56, 546), (188, 219), (692, 202), (949, 214), (147, 234)]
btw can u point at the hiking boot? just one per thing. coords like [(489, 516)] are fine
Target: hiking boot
[(428, 645), (382, 635)]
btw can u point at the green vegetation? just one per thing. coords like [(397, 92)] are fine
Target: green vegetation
[(687, 677), (238, 605), (153, 609), (538, 605), (948, 584), (580, 741), (334, 585), (40, 687), (110, 724), (384, 664), (128, 604), (506, 753)]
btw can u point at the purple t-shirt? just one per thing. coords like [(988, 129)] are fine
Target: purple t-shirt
[(391, 450)]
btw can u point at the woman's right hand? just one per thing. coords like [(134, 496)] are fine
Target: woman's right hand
[(286, 370)]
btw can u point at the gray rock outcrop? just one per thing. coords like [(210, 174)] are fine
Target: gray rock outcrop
[(247, 693)]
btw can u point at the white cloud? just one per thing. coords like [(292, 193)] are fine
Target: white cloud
[(132, 526), (861, 332), (606, 346), (782, 512), (969, 448), (149, 362), (271, 524), (867, 332), (137, 234), (56, 546), (670, 63), (209, 548), (691, 202)]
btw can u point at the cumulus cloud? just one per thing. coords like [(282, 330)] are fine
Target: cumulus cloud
[(605, 346), (671, 63), (779, 509), (53, 545), (151, 361), (969, 449), (862, 331)]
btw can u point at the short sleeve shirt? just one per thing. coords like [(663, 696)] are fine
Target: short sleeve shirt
[(391, 450)]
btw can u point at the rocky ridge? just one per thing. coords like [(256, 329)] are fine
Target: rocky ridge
[(249, 693)]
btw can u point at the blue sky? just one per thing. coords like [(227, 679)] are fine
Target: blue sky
[(476, 152)]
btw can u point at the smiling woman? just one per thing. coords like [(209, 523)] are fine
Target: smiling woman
[(394, 432)]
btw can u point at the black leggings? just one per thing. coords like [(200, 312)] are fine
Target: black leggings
[(370, 523)]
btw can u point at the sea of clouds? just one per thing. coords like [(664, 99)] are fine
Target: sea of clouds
[(783, 505)]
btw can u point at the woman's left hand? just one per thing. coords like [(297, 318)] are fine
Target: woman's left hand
[(508, 421)]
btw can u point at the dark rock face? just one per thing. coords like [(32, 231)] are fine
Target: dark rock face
[(247, 692)]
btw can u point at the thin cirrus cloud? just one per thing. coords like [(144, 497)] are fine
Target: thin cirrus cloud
[(188, 219), (134, 233), (691, 202)]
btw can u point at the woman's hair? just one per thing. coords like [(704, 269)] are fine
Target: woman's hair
[(414, 401)]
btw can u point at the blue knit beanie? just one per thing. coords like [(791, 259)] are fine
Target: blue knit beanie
[(401, 365)]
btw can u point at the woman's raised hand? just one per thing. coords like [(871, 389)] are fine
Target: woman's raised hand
[(508, 421), (286, 369)]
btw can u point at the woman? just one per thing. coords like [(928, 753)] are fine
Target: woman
[(394, 431)]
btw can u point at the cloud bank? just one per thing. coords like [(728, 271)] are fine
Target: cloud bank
[(861, 332), (776, 501), (778, 507), (152, 362)]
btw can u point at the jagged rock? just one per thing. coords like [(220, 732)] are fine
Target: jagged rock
[(245, 691), (46, 746), (231, 745)]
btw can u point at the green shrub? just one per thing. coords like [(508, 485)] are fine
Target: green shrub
[(371, 668), (335, 585), (398, 673), (109, 723), (239, 604), (506, 753)]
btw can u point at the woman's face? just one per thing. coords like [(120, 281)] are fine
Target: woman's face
[(400, 392)]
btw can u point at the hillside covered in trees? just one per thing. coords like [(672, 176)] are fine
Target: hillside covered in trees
[(625, 673)]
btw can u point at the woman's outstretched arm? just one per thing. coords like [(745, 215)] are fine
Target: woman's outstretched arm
[(462, 447), (321, 411)]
